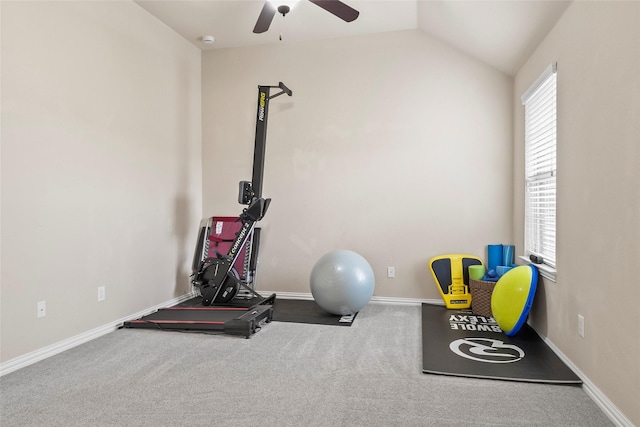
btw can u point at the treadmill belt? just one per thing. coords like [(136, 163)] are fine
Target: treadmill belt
[(230, 320), (191, 315)]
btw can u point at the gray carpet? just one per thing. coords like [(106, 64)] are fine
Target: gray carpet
[(288, 374)]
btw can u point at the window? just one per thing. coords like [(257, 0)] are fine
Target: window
[(540, 170)]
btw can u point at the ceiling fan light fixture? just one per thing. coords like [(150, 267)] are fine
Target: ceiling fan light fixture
[(284, 6), (284, 9)]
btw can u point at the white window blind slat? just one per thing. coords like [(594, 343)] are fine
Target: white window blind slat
[(540, 167)]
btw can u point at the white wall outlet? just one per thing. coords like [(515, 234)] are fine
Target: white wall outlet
[(101, 293), (391, 272), (41, 308), (581, 325)]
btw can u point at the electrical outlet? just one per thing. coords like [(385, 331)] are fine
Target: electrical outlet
[(581, 325), (41, 308), (391, 272), (101, 293)]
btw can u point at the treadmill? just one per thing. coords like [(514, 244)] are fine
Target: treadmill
[(225, 259)]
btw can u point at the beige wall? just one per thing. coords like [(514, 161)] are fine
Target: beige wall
[(101, 175), (597, 47), (393, 145)]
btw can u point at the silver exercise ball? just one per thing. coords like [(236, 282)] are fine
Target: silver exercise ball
[(342, 282)]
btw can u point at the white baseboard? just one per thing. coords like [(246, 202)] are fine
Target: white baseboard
[(53, 349), (288, 295), (405, 301), (374, 299), (600, 399)]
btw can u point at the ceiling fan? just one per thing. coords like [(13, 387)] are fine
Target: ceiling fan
[(335, 7)]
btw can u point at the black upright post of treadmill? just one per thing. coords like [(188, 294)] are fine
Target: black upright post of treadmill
[(253, 190), (214, 276)]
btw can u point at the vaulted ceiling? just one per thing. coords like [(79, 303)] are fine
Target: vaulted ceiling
[(501, 33)]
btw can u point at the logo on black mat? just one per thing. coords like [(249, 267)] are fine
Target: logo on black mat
[(487, 350)]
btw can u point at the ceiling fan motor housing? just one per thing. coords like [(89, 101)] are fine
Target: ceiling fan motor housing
[(284, 9)]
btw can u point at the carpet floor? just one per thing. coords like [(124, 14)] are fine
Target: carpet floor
[(288, 374)]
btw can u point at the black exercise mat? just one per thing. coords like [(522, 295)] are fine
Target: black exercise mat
[(459, 343), (307, 311)]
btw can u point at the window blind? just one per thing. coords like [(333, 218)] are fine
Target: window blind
[(540, 167)]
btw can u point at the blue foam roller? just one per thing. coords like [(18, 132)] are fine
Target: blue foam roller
[(494, 256), (507, 254)]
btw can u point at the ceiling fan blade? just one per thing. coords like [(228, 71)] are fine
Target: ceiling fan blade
[(339, 9), (265, 18)]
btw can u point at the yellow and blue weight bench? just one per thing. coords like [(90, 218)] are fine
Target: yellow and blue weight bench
[(451, 273)]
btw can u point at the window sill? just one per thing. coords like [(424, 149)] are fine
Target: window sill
[(545, 271)]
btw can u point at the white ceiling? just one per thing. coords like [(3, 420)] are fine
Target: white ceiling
[(501, 33)]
